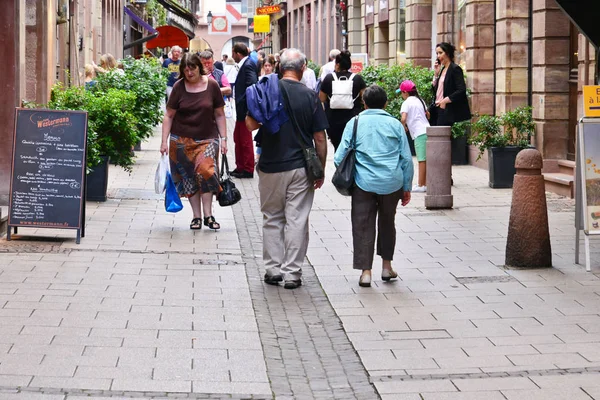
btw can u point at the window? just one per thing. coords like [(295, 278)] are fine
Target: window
[(401, 33), (460, 32)]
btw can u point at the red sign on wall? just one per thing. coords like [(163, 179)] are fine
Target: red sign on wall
[(268, 10)]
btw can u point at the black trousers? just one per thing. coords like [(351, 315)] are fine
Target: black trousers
[(367, 209)]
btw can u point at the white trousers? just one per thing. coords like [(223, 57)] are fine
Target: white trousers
[(286, 199)]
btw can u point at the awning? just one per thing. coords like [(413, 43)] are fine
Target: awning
[(139, 21), (584, 14), (169, 36), (179, 10)]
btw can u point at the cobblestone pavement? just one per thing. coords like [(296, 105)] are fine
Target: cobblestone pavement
[(146, 308)]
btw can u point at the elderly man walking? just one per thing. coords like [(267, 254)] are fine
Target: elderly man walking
[(286, 194), (172, 64)]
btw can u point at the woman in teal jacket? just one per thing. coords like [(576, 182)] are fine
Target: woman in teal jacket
[(384, 173)]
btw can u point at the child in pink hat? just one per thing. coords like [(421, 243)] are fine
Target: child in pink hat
[(414, 118)]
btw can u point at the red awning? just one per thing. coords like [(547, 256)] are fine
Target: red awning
[(169, 36)]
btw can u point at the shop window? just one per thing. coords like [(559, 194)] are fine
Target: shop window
[(371, 44), (401, 33), (460, 32)]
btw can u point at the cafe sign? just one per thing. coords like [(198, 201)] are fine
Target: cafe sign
[(268, 10)]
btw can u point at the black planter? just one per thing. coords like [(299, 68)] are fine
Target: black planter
[(501, 162), (411, 144), (460, 150), (137, 146), (97, 182)]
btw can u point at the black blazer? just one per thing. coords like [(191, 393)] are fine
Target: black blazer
[(456, 90), (246, 77)]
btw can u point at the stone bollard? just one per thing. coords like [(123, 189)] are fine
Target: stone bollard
[(439, 168), (528, 242)]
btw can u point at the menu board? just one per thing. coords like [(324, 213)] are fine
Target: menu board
[(48, 169)]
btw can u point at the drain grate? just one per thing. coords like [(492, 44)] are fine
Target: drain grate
[(467, 280)]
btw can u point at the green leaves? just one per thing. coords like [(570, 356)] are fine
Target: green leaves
[(390, 77), (518, 128)]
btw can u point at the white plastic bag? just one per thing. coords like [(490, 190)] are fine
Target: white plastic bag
[(228, 109), (161, 174)]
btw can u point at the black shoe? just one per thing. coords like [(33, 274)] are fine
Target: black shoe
[(242, 174), (292, 284), (273, 280)]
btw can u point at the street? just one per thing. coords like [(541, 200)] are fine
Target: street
[(146, 308)]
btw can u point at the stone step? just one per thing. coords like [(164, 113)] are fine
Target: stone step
[(559, 183), (566, 167)]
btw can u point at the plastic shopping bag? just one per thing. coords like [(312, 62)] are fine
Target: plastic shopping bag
[(160, 178), (172, 201), (228, 108)]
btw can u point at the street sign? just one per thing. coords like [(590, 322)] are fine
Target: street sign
[(591, 101), (268, 10), (262, 24)]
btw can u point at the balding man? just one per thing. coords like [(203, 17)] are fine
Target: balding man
[(172, 64), (286, 194)]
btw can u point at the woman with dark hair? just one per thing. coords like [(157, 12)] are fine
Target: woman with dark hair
[(338, 117), (383, 177), (195, 121), (449, 89)]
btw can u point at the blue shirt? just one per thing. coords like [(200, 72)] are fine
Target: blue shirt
[(383, 160), (173, 67)]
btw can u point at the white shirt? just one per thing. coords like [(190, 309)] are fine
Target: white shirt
[(327, 69), (308, 78), (242, 61), (416, 120)]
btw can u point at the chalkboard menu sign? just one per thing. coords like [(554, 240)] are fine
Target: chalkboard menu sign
[(48, 170)]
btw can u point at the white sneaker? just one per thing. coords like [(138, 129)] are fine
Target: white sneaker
[(419, 189)]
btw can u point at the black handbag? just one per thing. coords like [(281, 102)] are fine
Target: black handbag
[(314, 168), (230, 194), (343, 178)]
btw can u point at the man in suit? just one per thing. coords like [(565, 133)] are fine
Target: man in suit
[(242, 137)]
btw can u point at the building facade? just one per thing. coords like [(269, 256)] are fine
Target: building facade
[(47, 41), (514, 52)]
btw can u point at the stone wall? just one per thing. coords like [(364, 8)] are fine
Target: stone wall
[(418, 32)]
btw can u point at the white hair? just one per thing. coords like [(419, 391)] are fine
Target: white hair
[(176, 48), (292, 60), (333, 54)]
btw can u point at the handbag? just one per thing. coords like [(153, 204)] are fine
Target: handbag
[(172, 201), (314, 168), (343, 178), (160, 177), (230, 194)]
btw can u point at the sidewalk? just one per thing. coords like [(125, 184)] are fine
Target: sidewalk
[(146, 308)]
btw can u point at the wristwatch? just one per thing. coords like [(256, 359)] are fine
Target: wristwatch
[(223, 138)]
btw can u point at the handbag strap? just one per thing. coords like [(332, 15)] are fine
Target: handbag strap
[(354, 129), (288, 109), (224, 166)]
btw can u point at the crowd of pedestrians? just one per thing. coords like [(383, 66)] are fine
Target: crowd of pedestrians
[(291, 139)]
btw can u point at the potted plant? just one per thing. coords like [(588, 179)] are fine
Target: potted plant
[(503, 137), (460, 133), (147, 80), (112, 130)]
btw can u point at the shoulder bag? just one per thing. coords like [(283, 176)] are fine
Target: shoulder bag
[(230, 194), (343, 178), (314, 168)]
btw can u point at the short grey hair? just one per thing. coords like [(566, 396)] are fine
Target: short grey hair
[(176, 48), (333, 54), (206, 55), (292, 60)]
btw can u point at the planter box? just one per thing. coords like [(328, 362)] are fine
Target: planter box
[(501, 162), (97, 182), (460, 150)]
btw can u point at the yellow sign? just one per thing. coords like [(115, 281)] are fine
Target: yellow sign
[(591, 101), (262, 24), (268, 10)]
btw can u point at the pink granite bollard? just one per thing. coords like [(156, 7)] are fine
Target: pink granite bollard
[(528, 242), (439, 168)]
